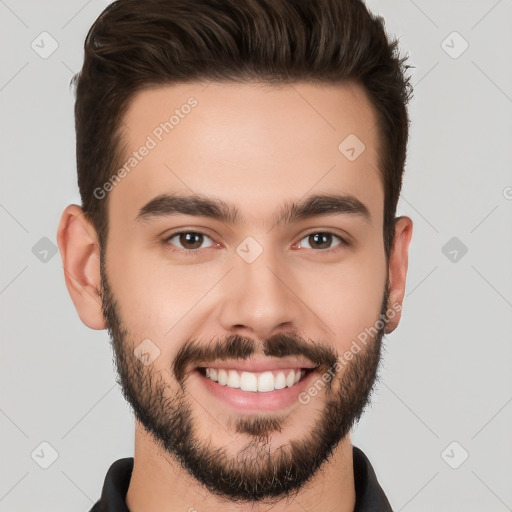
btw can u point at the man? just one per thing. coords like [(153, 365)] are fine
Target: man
[(239, 164)]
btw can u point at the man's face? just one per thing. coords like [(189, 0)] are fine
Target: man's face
[(184, 290)]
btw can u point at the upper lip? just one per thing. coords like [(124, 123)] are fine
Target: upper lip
[(258, 365)]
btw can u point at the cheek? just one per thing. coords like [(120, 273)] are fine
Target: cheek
[(137, 288), (347, 297), (158, 300)]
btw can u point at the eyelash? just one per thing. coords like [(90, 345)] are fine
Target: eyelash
[(193, 252)]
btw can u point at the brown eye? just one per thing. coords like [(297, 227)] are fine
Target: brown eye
[(322, 240), (188, 240)]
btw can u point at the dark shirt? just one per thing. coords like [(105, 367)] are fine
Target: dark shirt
[(369, 495)]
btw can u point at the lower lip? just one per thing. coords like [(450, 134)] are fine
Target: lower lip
[(257, 401)]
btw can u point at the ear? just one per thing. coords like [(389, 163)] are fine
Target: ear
[(79, 250), (398, 262)]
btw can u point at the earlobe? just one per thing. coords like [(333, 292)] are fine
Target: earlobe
[(398, 263), (79, 250)]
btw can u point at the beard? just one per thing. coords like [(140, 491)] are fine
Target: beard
[(257, 472)]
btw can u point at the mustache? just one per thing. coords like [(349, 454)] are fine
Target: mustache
[(319, 353)]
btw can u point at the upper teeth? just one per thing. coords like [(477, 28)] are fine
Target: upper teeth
[(248, 381)]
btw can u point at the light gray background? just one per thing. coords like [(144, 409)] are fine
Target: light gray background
[(446, 375)]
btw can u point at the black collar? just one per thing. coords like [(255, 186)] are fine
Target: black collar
[(369, 495)]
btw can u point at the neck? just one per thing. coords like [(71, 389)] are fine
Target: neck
[(159, 484)]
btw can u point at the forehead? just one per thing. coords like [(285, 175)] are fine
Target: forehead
[(252, 145)]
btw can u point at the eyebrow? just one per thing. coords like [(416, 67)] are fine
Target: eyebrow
[(197, 205)]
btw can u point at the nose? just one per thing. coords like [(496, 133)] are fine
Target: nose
[(260, 298)]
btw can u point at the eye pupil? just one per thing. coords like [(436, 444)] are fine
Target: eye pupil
[(323, 239), (188, 238)]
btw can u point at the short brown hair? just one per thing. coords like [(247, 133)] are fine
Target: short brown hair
[(135, 44)]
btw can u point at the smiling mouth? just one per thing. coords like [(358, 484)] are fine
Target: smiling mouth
[(262, 382)]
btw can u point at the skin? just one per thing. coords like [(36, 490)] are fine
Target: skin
[(254, 147)]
